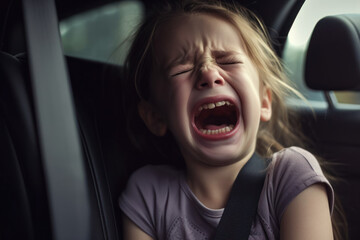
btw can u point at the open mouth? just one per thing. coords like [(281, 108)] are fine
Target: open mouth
[(216, 119)]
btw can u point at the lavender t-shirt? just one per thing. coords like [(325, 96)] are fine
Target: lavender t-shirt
[(159, 201)]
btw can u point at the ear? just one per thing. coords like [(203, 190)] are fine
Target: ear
[(153, 121), (266, 111)]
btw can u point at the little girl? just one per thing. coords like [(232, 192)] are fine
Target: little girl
[(207, 78)]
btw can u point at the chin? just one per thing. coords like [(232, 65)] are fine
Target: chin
[(223, 155)]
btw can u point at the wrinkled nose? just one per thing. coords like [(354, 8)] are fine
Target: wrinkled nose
[(209, 78)]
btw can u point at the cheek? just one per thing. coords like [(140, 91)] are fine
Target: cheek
[(179, 94), (177, 113), (172, 100), (246, 86)]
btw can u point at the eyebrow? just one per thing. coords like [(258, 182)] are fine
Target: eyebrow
[(176, 61), (183, 58), (225, 53)]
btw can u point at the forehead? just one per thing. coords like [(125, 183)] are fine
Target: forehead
[(194, 34)]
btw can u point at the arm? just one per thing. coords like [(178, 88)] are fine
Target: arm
[(132, 232), (307, 216)]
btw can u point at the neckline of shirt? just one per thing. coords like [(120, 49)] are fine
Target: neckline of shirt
[(213, 213)]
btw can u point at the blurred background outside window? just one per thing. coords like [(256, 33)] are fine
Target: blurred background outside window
[(100, 34), (295, 48)]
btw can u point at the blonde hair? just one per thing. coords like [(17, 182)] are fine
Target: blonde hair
[(280, 132), (140, 62)]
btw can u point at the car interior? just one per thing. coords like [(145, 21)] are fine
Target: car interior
[(26, 212)]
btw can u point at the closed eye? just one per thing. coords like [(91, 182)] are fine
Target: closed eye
[(230, 62), (181, 72)]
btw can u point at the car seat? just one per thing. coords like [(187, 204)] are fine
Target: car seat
[(23, 206), (333, 64), (23, 202)]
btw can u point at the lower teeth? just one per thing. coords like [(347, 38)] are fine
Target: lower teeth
[(217, 131)]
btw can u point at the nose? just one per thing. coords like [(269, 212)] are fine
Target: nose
[(209, 77)]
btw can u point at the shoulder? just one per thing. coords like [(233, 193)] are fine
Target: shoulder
[(152, 179), (291, 171), (154, 173), (295, 160), (145, 195)]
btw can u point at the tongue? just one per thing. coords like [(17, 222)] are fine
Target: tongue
[(214, 127)]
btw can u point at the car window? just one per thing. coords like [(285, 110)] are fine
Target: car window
[(101, 33), (295, 48)]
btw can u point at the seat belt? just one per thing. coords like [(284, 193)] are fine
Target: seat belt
[(241, 208), (61, 154)]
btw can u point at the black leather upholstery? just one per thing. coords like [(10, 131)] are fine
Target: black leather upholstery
[(333, 56), (23, 205), (23, 201), (103, 143)]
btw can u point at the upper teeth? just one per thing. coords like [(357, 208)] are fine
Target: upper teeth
[(213, 105)]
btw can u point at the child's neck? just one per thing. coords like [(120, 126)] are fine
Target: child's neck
[(212, 185)]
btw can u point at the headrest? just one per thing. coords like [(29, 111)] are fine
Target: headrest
[(333, 55)]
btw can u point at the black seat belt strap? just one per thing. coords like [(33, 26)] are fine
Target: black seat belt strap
[(241, 208), (56, 125)]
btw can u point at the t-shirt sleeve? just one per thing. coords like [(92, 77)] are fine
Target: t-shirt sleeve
[(294, 170), (139, 199)]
